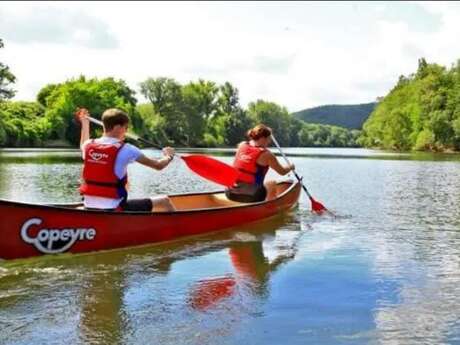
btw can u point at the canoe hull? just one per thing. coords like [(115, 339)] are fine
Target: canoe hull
[(31, 230)]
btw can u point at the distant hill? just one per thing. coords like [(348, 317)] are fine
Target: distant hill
[(349, 116)]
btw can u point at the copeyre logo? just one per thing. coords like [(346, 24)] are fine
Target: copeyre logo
[(52, 241), (97, 156)]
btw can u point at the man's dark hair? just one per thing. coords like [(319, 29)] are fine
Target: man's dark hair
[(112, 117)]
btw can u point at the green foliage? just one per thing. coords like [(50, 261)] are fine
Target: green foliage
[(96, 95), (349, 116), (165, 95), (425, 140), (22, 124), (200, 101), (152, 126), (235, 126), (422, 112), (6, 78), (315, 135), (45, 92), (233, 119), (274, 116), (200, 113)]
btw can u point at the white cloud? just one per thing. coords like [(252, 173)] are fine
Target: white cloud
[(53, 25), (296, 54)]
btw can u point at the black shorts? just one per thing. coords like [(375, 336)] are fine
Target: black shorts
[(245, 192), (139, 205)]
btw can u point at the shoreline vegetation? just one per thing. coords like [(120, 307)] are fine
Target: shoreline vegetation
[(197, 114), (420, 113)]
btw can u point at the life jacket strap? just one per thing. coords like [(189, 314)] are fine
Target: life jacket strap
[(106, 184)]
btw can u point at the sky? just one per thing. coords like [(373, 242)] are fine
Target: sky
[(297, 54)]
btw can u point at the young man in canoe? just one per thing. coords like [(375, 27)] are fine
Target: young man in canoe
[(253, 160), (106, 160)]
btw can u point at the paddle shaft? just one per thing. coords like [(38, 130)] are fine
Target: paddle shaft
[(129, 135), (287, 161)]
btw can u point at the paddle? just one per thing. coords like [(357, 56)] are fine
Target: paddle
[(207, 167), (315, 205)]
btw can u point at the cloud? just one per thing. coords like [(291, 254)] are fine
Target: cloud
[(413, 51), (56, 26), (263, 64), (269, 64), (332, 53), (418, 18)]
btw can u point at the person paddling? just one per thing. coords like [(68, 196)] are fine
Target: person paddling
[(252, 160), (106, 160)]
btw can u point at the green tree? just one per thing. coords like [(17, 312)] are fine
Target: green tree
[(201, 108), (44, 92), (305, 136), (165, 95), (295, 126), (153, 125), (22, 124), (229, 99), (421, 112), (274, 116), (96, 95), (6, 78), (236, 124)]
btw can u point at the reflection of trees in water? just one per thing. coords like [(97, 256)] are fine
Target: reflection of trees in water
[(418, 250), (101, 313), (3, 178), (40, 177), (40, 159)]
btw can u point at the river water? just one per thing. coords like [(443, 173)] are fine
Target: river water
[(385, 271)]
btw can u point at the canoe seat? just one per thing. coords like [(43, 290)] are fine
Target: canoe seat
[(222, 200), (200, 201)]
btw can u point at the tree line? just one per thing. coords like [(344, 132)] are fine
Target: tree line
[(197, 114), (421, 112)]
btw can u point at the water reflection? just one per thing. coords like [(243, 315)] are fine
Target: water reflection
[(416, 250), (196, 302), (251, 272), (127, 295), (388, 274)]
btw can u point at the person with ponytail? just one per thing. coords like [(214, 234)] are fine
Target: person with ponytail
[(252, 160)]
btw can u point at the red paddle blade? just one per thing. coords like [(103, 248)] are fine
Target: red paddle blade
[(211, 169), (317, 206)]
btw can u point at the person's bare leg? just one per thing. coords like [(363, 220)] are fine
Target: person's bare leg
[(270, 186), (162, 203)]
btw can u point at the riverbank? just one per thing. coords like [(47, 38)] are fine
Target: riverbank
[(228, 153)]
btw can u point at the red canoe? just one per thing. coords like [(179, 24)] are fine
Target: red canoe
[(31, 230)]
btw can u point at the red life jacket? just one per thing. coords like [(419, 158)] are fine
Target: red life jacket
[(99, 178), (246, 163)]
